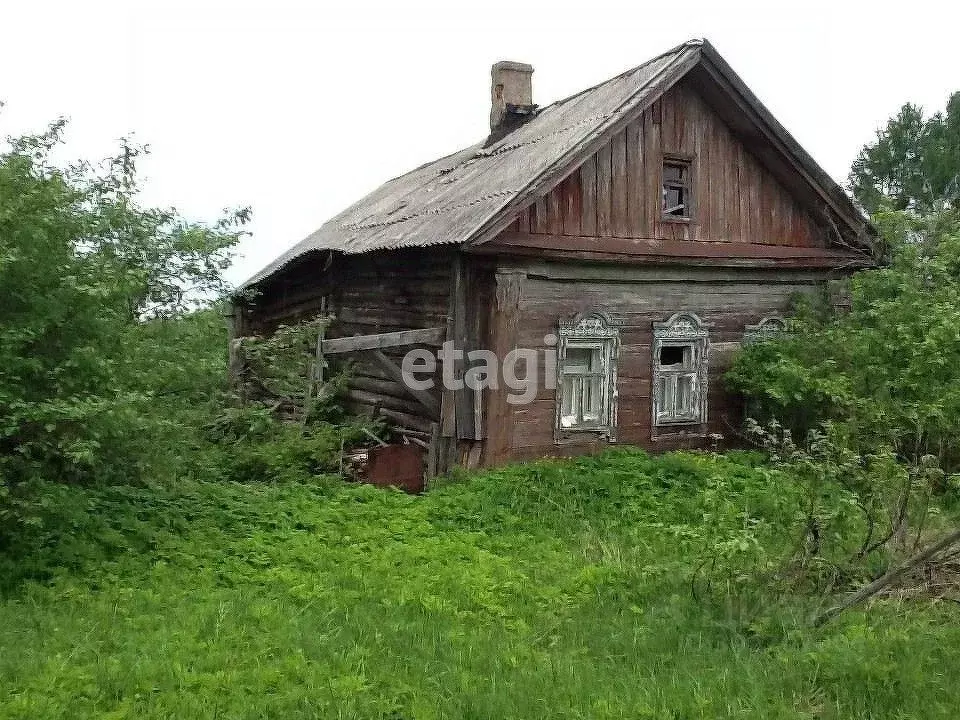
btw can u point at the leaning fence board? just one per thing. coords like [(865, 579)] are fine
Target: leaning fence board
[(357, 343)]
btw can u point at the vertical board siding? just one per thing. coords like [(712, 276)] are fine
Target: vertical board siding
[(604, 191), (618, 185), (588, 197), (650, 172), (701, 161), (635, 204), (555, 211), (616, 192), (571, 204)]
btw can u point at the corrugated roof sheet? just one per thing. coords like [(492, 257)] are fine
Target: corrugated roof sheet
[(448, 200)]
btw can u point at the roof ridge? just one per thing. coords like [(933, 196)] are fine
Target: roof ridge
[(693, 42)]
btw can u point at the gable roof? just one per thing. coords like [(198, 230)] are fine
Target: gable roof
[(470, 195)]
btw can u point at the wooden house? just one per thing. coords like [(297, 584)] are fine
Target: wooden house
[(630, 236)]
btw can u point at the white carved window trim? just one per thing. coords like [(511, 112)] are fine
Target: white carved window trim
[(586, 398), (679, 390), (770, 326)]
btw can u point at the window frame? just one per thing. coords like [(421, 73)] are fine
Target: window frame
[(767, 328), (593, 331), (685, 161), (686, 330)]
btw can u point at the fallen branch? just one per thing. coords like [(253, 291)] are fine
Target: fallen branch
[(868, 591)]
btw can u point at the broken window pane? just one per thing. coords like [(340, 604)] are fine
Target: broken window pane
[(672, 172), (580, 360), (679, 370), (671, 355), (676, 188)]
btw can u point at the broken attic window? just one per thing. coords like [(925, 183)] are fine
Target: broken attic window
[(676, 188)]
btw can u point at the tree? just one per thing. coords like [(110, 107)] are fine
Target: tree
[(82, 266), (914, 164)]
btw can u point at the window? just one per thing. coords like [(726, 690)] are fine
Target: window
[(582, 393), (587, 376), (677, 195), (680, 371), (769, 327)]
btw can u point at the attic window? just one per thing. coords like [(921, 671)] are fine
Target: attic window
[(677, 194)]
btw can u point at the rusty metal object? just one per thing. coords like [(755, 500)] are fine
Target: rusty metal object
[(397, 465)]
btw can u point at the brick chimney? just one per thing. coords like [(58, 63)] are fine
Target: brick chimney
[(511, 94)]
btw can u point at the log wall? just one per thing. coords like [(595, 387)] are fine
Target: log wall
[(366, 294), (533, 298)]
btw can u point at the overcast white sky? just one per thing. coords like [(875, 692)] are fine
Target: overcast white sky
[(299, 109)]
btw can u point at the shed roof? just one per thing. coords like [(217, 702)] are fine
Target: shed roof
[(458, 198)]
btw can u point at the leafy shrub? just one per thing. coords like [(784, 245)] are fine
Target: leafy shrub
[(886, 373), (291, 453), (250, 444), (82, 266), (279, 370)]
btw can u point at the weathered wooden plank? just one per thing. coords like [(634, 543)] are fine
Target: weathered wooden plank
[(588, 190), (730, 197), (464, 398), (571, 204), (607, 273), (357, 343), (766, 207), (539, 218), (743, 198), (555, 211), (754, 228), (838, 264), (389, 319), (779, 202), (504, 320), (653, 180), (668, 126), (479, 298), (688, 120), (375, 400), (401, 419), (666, 248), (619, 210), (379, 385), (636, 220), (604, 192)]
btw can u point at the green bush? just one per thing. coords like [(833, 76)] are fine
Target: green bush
[(83, 267), (886, 373), (250, 444), (290, 453)]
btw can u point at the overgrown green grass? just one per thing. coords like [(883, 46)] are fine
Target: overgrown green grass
[(556, 589)]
